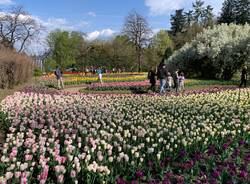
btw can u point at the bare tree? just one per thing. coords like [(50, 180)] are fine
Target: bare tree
[(17, 28), (137, 29)]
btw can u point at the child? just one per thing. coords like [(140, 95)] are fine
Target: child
[(181, 80), (99, 71), (169, 81)]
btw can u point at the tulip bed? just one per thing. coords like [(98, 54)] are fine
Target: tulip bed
[(58, 138), (84, 80), (50, 80), (144, 85)]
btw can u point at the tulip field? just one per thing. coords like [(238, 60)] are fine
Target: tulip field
[(79, 138)]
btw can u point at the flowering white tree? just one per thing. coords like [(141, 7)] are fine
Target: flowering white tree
[(216, 52)]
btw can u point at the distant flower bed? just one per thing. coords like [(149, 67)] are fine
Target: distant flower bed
[(50, 80), (83, 74), (82, 80), (58, 138), (110, 86)]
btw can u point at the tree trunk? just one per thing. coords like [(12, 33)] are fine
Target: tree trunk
[(139, 54)]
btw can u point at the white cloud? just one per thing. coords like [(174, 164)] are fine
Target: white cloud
[(165, 7), (61, 23), (83, 24), (156, 30), (100, 34), (92, 14), (6, 2)]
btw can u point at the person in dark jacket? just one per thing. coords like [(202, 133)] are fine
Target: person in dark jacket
[(244, 77), (151, 78), (176, 81), (162, 74), (58, 74)]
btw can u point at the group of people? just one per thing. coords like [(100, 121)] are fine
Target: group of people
[(94, 70), (167, 80)]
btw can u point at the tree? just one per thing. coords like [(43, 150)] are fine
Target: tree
[(235, 11), (162, 41), (122, 52), (227, 12), (216, 53), (242, 12), (17, 28), (208, 16), (198, 11), (178, 22), (136, 28), (191, 32), (65, 47), (189, 18)]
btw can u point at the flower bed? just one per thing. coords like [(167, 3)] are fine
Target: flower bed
[(83, 80), (127, 138), (144, 85), (125, 74)]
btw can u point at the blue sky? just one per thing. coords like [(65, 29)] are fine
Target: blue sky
[(101, 18)]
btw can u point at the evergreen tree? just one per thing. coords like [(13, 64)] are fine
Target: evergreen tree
[(235, 11), (189, 18), (178, 22), (228, 12), (242, 10), (207, 17), (198, 11)]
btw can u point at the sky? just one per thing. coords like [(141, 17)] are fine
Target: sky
[(102, 18)]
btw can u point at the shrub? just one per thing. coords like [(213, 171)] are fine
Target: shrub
[(4, 122), (215, 53), (38, 72), (15, 68)]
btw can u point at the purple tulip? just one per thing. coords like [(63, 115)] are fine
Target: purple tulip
[(216, 173), (150, 164), (247, 158), (213, 182), (134, 182), (167, 159), (197, 156), (243, 174), (180, 179), (166, 181), (225, 146), (152, 182), (119, 180), (232, 168), (182, 153), (211, 150), (139, 174), (236, 153), (168, 175), (242, 142)]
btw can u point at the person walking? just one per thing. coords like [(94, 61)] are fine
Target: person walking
[(58, 74), (176, 80), (99, 72), (243, 77), (162, 75), (152, 80)]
